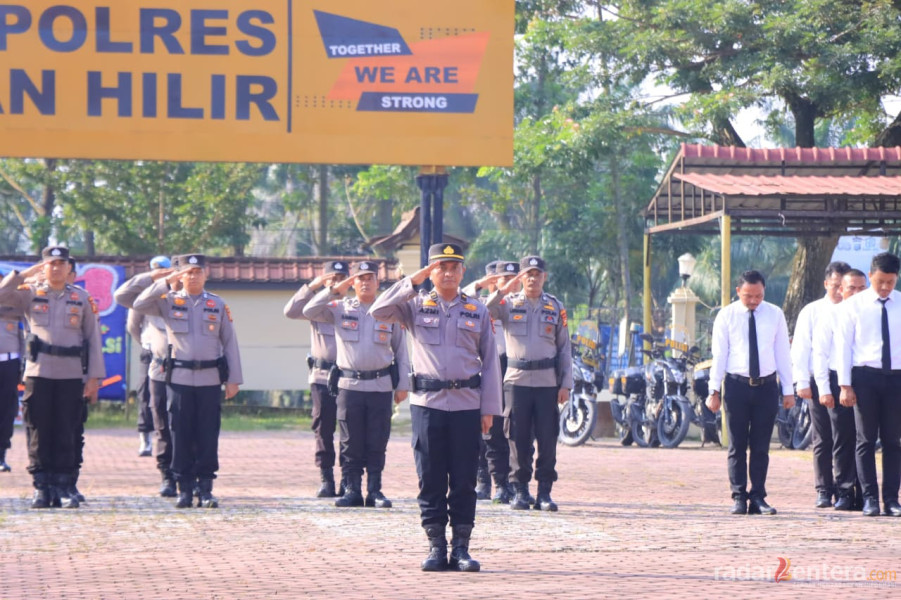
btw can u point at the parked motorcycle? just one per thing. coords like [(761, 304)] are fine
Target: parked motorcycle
[(579, 415), (794, 425), (627, 387), (710, 423), (667, 413)]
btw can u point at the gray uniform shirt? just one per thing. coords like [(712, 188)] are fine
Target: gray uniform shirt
[(451, 341), (322, 335), (145, 330), (499, 337), (199, 328), (12, 338), (364, 342), (66, 318), (535, 330)]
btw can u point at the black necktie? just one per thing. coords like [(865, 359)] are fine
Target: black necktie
[(754, 365), (886, 342)]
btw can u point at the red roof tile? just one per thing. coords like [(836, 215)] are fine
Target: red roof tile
[(778, 185), (725, 154)]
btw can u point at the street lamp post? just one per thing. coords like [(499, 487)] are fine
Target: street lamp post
[(684, 303)]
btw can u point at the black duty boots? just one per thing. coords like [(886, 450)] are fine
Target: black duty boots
[(206, 499), (60, 492), (437, 558), (504, 491), (374, 495), (41, 497), (483, 485), (4, 468), (185, 493), (73, 487), (167, 487), (521, 500), (543, 499), (327, 489), (352, 494), (459, 557)]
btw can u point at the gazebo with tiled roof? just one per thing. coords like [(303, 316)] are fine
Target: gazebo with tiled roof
[(797, 192)]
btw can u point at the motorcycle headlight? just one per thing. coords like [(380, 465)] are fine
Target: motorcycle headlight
[(678, 376)]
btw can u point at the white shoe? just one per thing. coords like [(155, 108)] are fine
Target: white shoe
[(145, 447)]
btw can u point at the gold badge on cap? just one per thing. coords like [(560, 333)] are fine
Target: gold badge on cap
[(448, 250)]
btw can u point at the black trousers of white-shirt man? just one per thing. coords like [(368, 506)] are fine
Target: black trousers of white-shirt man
[(750, 416)]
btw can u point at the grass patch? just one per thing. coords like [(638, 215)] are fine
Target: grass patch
[(118, 415)]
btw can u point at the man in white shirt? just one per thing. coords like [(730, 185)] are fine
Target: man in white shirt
[(812, 317), (826, 355), (750, 346), (870, 380)]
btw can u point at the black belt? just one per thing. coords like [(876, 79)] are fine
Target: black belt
[(319, 363), (365, 374), (195, 365), (59, 350), (531, 365), (752, 381), (878, 371), (421, 384)]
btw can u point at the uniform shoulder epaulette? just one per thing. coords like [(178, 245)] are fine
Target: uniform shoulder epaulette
[(463, 297), (433, 295)]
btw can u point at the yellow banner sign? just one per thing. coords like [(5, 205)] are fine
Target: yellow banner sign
[(336, 81)]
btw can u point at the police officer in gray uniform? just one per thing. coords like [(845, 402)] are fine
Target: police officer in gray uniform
[(456, 392), (371, 362), (539, 376), (496, 448), (204, 355), (150, 332), (65, 365), (12, 346), (323, 352)]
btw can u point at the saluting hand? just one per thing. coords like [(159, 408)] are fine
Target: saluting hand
[(487, 281), (322, 281), (157, 274), (827, 400), (511, 285), (341, 288), (32, 270), (173, 278), (422, 274), (714, 401)]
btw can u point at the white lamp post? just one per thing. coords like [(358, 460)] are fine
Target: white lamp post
[(684, 303)]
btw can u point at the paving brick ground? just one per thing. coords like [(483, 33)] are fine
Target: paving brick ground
[(632, 523)]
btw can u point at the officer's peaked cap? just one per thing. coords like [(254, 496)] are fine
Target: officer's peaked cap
[(532, 262), (445, 251), (507, 267), (365, 266), (336, 266), (51, 253), (189, 261), (160, 262)]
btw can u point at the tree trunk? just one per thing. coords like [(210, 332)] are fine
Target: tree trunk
[(48, 201), (891, 135), (622, 240), (89, 243), (321, 240), (535, 215), (806, 283), (813, 254)]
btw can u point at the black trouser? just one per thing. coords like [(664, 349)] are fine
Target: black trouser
[(877, 414), (446, 448), (145, 409), (364, 419), (9, 400), (195, 415), (52, 410), (79, 433), (750, 416), (532, 411), (844, 440), (160, 409), (325, 411), (494, 453), (822, 442)]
